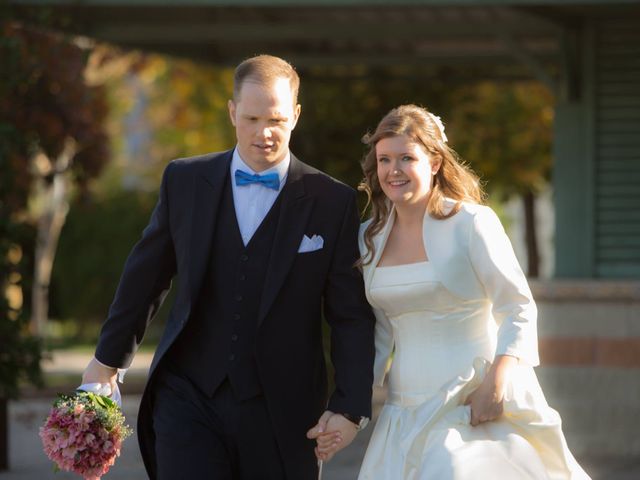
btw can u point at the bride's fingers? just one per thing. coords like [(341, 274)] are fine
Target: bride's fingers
[(475, 418), (481, 417), (489, 415), (329, 448), (326, 440)]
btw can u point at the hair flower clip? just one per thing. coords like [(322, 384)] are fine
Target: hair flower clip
[(440, 126)]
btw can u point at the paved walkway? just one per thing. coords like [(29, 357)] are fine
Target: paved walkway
[(27, 462)]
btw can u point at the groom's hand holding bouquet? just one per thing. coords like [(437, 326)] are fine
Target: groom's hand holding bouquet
[(85, 430)]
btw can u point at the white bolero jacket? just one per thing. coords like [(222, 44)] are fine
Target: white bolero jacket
[(473, 258)]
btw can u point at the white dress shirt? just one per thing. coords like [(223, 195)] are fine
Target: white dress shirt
[(252, 202)]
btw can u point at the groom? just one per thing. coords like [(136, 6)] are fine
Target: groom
[(260, 247)]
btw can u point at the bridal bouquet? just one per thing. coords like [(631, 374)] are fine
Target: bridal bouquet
[(84, 433)]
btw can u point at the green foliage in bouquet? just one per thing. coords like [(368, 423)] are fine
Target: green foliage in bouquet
[(107, 411)]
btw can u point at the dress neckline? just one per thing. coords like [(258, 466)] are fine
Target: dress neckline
[(400, 265)]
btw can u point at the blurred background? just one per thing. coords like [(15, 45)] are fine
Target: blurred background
[(541, 98)]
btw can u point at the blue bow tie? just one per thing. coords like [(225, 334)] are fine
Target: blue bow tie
[(269, 180)]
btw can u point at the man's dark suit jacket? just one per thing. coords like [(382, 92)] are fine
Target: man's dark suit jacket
[(299, 289)]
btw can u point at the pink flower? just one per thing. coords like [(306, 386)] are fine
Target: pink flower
[(83, 434)]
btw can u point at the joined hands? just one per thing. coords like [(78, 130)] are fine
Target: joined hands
[(332, 433)]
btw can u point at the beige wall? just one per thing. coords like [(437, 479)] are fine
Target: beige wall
[(590, 362)]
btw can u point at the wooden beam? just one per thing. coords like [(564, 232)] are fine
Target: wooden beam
[(523, 55), (318, 30), (330, 3)]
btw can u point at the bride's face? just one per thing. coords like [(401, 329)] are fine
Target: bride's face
[(405, 170)]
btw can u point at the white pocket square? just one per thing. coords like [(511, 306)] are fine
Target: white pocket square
[(312, 244)]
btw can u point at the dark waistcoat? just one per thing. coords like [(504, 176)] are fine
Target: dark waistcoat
[(218, 341)]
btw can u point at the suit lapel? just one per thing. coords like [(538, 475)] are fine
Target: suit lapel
[(208, 188), (295, 211)]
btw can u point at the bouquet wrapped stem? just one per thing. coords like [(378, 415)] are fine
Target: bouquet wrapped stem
[(84, 433)]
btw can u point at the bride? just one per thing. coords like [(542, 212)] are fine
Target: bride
[(456, 322)]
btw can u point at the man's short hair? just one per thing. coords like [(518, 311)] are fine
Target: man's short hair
[(265, 69)]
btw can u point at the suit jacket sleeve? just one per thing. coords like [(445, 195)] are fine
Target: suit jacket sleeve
[(497, 267), (144, 283), (351, 321)]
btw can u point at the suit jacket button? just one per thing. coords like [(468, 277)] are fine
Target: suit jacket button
[(236, 316), (232, 357), (244, 257), (234, 337), (239, 298)]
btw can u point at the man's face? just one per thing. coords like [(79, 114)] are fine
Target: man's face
[(264, 117)]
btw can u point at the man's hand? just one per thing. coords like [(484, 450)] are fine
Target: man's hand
[(332, 433), (98, 373)]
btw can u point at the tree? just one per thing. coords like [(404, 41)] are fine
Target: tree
[(61, 141), (51, 136), (505, 131), (19, 352), (161, 108), (338, 108)]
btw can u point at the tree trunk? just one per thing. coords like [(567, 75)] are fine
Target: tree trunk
[(533, 257), (4, 434), (50, 225)]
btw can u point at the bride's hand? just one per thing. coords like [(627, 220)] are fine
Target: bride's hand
[(486, 400), (486, 403)]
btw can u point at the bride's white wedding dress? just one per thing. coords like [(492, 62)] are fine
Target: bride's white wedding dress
[(443, 344)]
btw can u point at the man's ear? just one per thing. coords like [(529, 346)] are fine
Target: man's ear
[(232, 111), (296, 115)]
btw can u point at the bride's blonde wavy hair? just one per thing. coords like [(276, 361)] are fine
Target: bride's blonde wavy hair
[(454, 179)]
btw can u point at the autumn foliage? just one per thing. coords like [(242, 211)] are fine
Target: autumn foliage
[(44, 103), (45, 99)]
